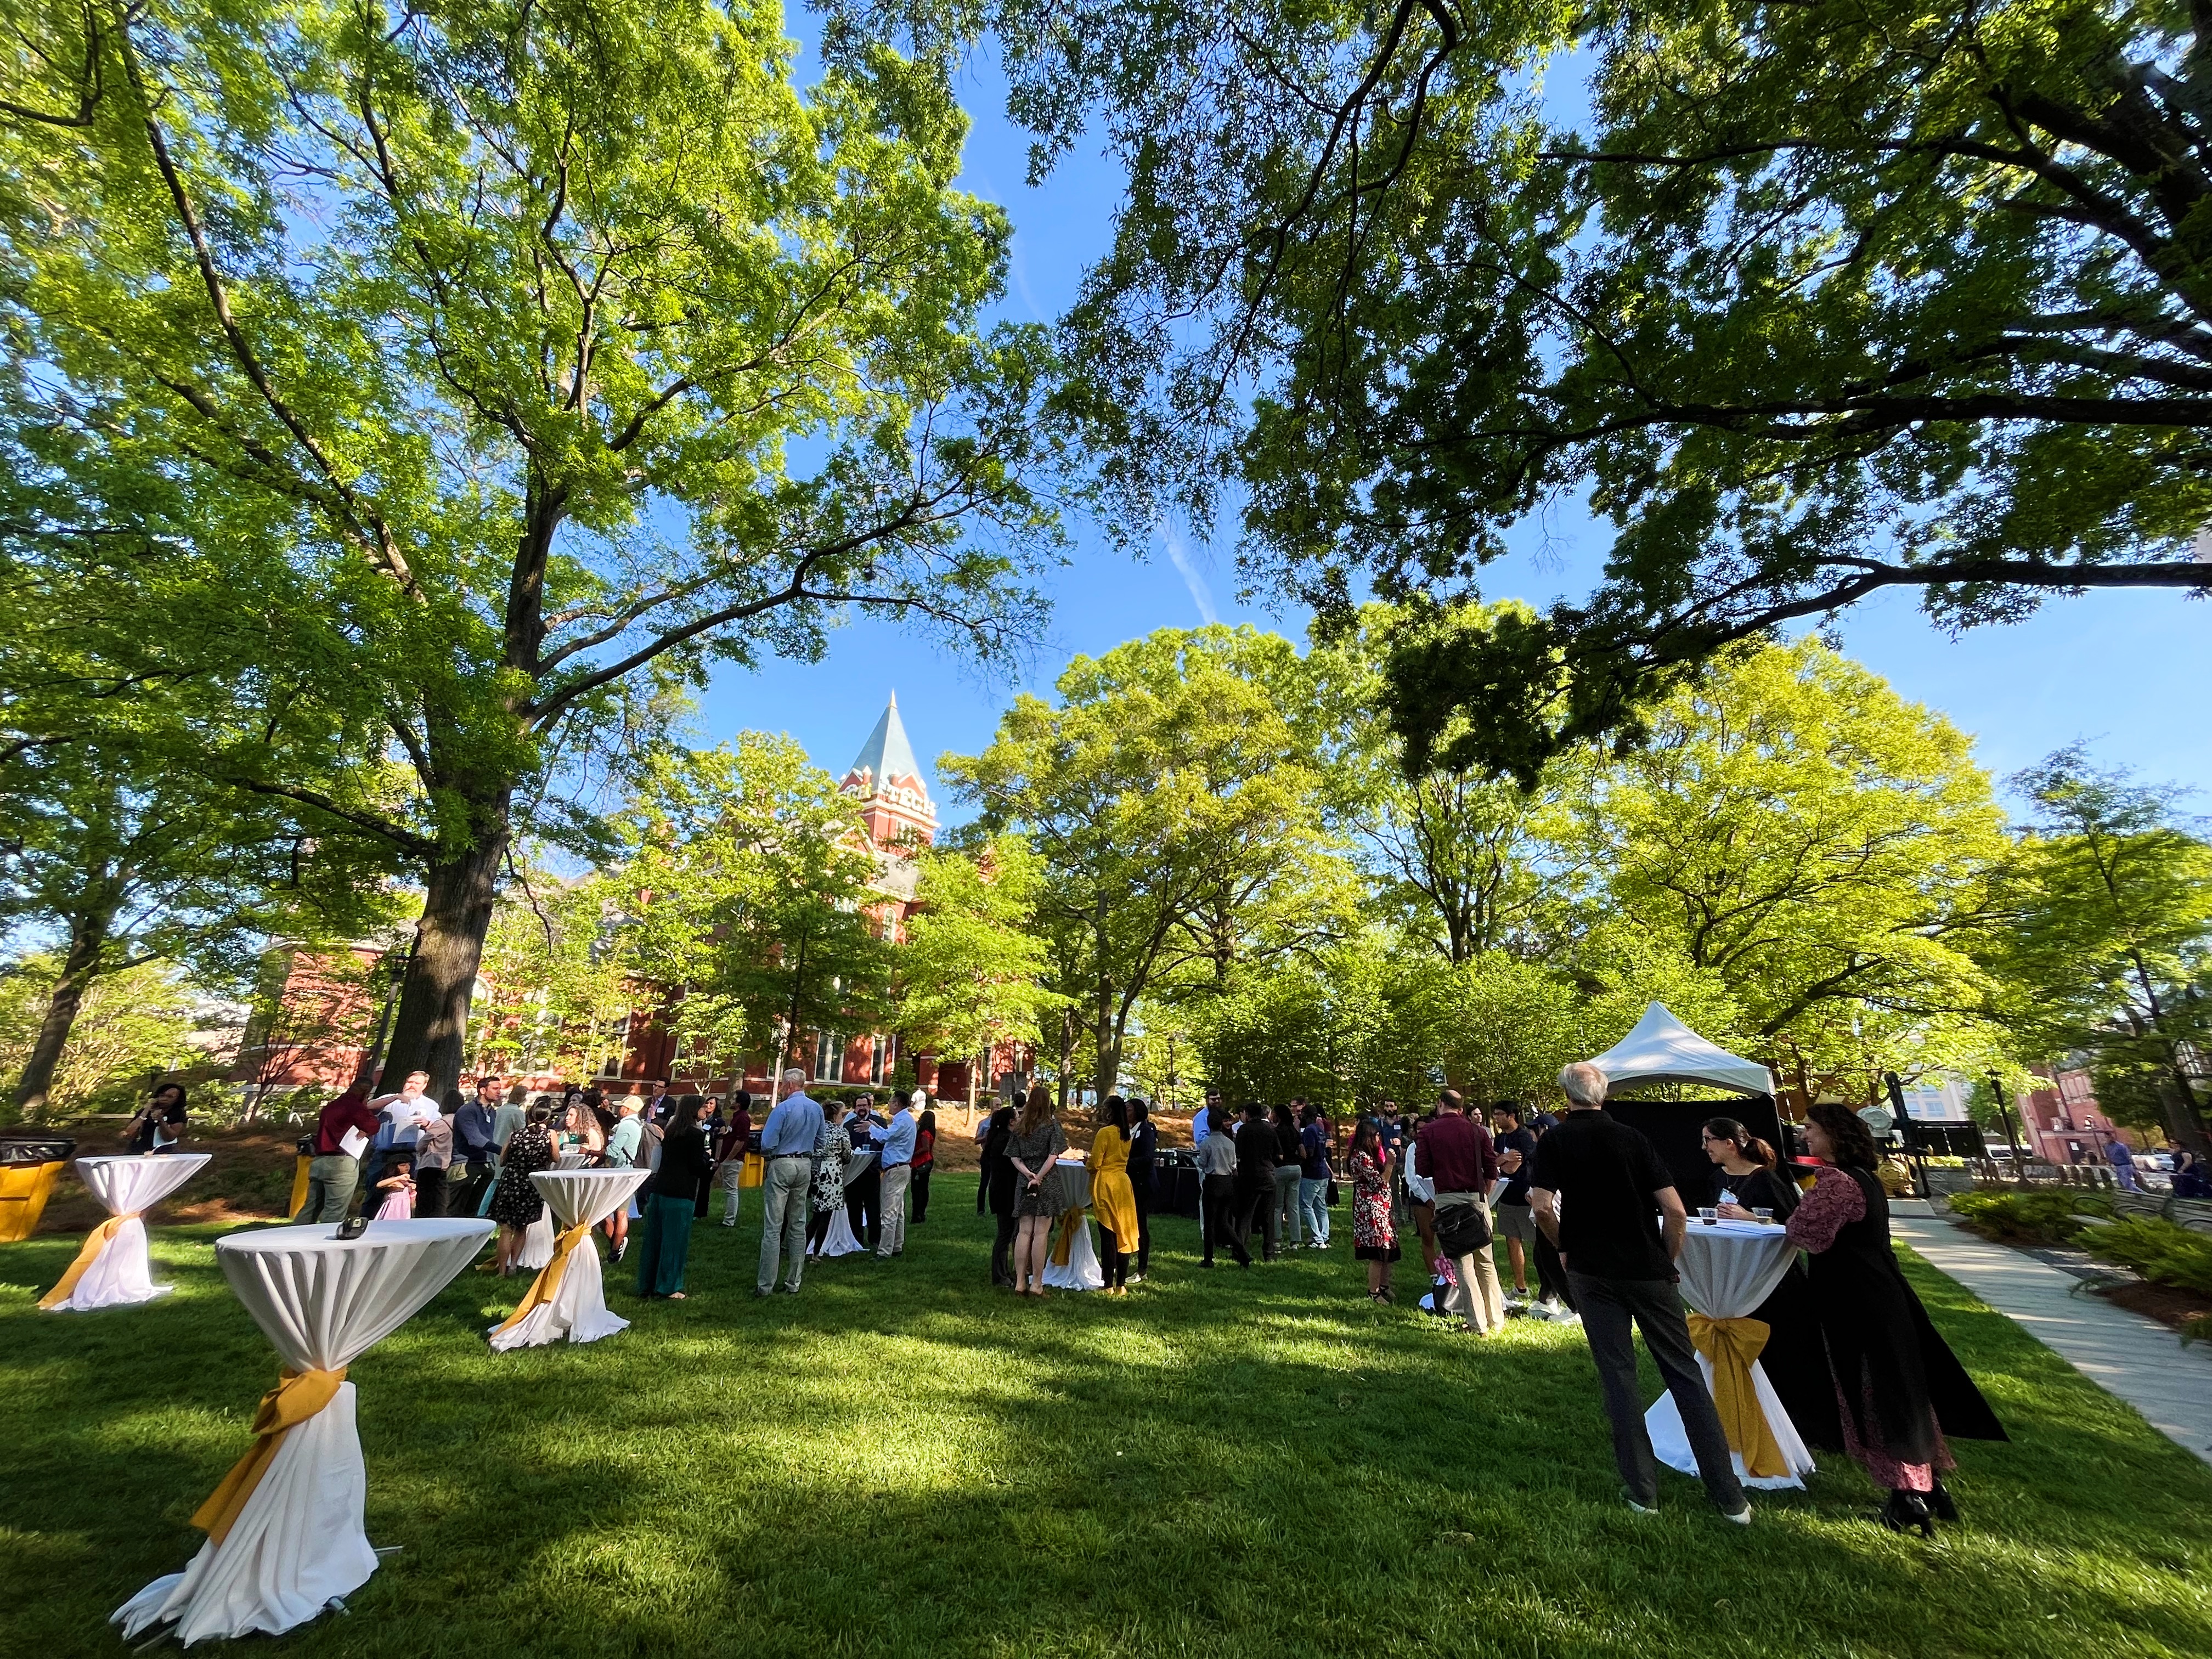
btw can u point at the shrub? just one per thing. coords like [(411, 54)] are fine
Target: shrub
[(2160, 1251), (2029, 1218)]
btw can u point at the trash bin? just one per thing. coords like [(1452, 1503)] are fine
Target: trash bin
[(28, 1164)]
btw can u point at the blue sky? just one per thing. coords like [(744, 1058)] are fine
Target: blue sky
[(2122, 670)]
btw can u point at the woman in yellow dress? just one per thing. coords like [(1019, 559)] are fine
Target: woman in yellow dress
[(1113, 1200)]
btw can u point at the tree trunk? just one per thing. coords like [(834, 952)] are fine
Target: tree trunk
[(433, 1021), (80, 967), (2182, 1118)]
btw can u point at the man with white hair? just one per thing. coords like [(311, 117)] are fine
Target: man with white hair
[(788, 1142), (1597, 1187)]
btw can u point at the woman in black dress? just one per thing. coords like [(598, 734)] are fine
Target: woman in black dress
[(1899, 1390), (516, 1202), (1143, 1158), (997, 1185), (685, 1168), (1747, 1176)]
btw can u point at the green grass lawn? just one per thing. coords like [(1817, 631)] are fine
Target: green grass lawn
[(903, 1460)]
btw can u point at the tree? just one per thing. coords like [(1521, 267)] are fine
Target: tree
[(462, 357), (1464, 863), (124, 866), (2106, 945), (125, 1027), (1175, 797), (1822, 847), (1816, 299), (971, 972), (311, 997), (556, 983), (750, 890)]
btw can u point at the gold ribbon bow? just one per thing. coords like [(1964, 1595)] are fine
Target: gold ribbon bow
[(1070, 1219), (298, 1397), (94, 1242), (547, 1285), (1732, 1345)]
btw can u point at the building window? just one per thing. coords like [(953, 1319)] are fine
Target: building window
[(878, 1048), (828, 1057)]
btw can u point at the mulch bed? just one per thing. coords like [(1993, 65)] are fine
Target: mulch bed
[(2166, 1304)]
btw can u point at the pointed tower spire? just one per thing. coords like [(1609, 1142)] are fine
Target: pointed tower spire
[(894, 798)]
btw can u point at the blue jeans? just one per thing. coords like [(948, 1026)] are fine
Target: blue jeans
[(1313, 1205)]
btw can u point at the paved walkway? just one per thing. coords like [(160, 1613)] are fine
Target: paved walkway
[(2139, 1359)]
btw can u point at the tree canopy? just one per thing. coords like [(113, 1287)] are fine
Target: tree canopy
[(459, 382), (1802, 300)]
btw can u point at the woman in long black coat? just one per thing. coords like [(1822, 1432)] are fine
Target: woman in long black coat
[(1899, 1390), (999, 1188)]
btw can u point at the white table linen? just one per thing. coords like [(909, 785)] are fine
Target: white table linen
[(1082, 1271), (121, 1272), (579, 1308), (299, 1542), (1728, 1269), (840, 1239)]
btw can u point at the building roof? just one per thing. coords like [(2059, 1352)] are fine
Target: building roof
[(887, 755)]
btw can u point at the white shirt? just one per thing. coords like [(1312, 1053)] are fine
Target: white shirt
[(406, 1113)]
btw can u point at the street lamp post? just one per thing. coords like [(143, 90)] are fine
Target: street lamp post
[(2004, 1113)]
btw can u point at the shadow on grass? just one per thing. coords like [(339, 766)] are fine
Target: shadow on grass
[(902, 1460)]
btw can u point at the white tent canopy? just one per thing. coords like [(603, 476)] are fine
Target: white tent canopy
[(1662, 1049)]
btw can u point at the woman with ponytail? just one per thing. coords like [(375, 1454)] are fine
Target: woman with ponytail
[(1747, 1178)]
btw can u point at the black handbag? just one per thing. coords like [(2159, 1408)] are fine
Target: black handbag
[(1333, 1197), (1463, 1229)]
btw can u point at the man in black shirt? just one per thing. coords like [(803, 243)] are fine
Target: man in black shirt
[(1516, 1157), (1255, 1181), (1595, 1187)]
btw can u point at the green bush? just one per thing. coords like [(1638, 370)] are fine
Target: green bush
[(2159, 1250), (2029, 1218)]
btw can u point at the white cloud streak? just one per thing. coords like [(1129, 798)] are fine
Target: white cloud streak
[(1201, 595)]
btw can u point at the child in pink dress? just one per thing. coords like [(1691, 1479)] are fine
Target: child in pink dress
[(399, 1190)]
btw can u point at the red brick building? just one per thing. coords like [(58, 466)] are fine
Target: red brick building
[(341, 1001), (2060, 1121)]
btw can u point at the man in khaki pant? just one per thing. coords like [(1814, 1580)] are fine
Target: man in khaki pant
[(788, 1142), (1456, 1154), (896, 1159)]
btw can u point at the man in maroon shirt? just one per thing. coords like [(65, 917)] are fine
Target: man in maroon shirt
[(333, 1171), (1455, 1153)]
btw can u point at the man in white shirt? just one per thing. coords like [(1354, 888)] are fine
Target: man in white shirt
[(409, 1109)]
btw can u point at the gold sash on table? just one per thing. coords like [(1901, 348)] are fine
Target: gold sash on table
[(94, 1242), (547, 1285), (1732, 1346), (298, 1397), (1064, 1234)]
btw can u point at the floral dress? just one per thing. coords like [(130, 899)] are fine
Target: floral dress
[(1039, 1150), (516, 1202), (1374, 1237), (830, 1154)]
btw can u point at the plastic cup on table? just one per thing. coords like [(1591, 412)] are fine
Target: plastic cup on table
[(1709, 1215), (1763, 1216)]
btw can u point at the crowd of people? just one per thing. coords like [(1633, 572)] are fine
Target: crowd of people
[(1582, 1202)]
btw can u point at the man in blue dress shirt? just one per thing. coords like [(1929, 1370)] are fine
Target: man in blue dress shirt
[(788, 1142), (896, 1158)]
